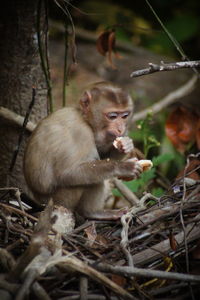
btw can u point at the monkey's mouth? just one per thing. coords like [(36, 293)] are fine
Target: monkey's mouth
[(111, 136)]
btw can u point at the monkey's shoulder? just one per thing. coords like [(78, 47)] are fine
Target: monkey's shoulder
[(72, 122), (65, 130)]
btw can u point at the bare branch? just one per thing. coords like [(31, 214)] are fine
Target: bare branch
[(16, 119), (166, 67), (182, 91), (126, 192), (132, 271)]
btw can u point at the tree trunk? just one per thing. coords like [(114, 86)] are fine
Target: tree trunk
[(20, 71)]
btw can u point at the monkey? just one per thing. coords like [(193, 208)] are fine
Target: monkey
[(70, 154)]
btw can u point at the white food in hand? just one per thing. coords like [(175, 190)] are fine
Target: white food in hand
[(145, 164), (115, 143)]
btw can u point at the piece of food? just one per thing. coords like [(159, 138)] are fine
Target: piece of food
[(117, 141), (145, 164)]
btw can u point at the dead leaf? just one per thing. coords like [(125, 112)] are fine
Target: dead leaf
[(173, 242), (119, 280), (91, 234), (198, 134), (190, 170), (106, 45), (181, 128)]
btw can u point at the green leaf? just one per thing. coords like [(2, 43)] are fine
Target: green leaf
[(165, 157), (147, 176), (157, 192), (116, 193), (183, 27), (133, 185)]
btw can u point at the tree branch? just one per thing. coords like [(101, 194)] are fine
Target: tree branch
[(167, 100), (166, 67), (16, 119), (133, 271)]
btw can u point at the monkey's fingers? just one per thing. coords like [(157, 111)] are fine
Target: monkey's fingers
[(123, 144), (138, 169), (128, 147)]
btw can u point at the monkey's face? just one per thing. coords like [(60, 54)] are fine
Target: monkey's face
[(110, 124), (108, 111), (116, 123)]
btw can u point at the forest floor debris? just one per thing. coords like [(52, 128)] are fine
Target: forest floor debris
[(151, 253)]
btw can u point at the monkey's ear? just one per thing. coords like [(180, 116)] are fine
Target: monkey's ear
[(85, 101)]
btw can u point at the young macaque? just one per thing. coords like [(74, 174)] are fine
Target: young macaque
[(70, 154)]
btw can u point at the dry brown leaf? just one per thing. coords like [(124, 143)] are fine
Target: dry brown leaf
[(119, 280), (181, 128), (190, 170), (106, 45)]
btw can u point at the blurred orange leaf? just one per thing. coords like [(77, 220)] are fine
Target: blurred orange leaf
[(182, 128), (191, 170), (198, 134), (119, 280), (106, 45), (173, 242)]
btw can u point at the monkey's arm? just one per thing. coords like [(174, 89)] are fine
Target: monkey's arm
[(98, 170)]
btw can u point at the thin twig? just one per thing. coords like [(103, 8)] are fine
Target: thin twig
[(129, 271), (16, 119), (83, 287), (126, 192), (40, 292), (31, 275), (22, 131), (182, 91), (17, 211), (166, 67), (77, 265), (125, 221), (170, 36), (155, 252)]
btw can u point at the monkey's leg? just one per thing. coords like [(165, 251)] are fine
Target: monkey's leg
[(92, 203), (68, 197)]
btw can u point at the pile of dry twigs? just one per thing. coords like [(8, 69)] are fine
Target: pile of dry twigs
[(151, 253)]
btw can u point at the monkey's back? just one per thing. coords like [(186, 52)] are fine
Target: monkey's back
[(57, 145)]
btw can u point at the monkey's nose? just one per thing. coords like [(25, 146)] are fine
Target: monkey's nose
[(114, 134), (120, 131)]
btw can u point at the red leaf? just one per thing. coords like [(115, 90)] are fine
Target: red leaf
[(102, 42), (119, 280), (190, 170), (198, 134), (181, 127), (106, 45), (173, 242)]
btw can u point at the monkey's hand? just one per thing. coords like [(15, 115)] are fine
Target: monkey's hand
[(132, 168), (123, 144), (138, 166)]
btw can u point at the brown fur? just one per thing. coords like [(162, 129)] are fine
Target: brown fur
[(70, 153)]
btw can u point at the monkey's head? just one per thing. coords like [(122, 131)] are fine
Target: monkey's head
[(107, 109)]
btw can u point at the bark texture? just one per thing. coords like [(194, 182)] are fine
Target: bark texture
[(20, 70)]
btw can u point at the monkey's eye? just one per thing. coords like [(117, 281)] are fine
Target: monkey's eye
[(125, 115), (112, 116)]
